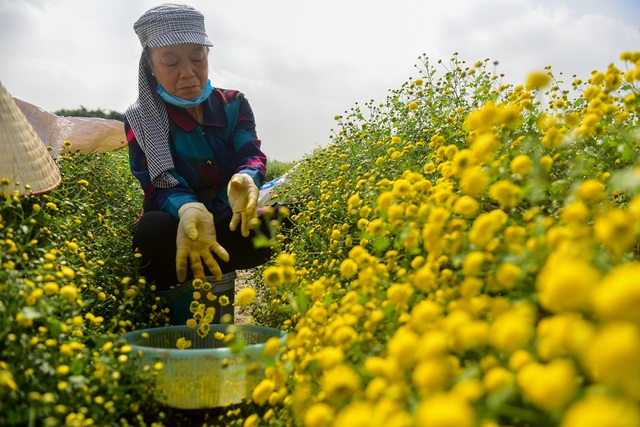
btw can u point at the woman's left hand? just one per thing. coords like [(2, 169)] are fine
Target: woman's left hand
[(243, 198)]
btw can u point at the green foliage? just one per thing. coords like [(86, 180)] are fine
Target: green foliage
[(83, 112), (276, 169)]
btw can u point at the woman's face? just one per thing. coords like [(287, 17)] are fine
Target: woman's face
[(182, 70)]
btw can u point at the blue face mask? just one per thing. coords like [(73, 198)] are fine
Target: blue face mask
[(185, 103)]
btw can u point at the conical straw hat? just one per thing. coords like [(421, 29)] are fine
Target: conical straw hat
[(24, 161)]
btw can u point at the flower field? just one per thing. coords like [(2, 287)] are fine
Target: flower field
[(69, 290), (465, 254)]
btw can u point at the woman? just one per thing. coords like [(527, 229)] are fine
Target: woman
[(195, 151)]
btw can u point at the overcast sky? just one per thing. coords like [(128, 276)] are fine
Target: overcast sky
[(300, 62)]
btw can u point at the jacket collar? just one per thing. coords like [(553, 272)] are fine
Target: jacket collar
[(212, 108)]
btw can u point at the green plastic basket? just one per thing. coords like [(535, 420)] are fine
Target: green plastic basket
[(207, 374)]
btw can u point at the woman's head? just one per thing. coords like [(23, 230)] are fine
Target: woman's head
[(175, 47)]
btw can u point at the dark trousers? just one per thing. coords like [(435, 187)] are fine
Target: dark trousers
[(155, 239)]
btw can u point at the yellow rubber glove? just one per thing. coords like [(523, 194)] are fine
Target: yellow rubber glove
[(243, 198), (195, 240)]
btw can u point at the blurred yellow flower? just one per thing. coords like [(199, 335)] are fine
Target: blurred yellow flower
[(319, 415), (424, 279), (273, 276), (246, 296), (597, 410), (402, 347), (546, 163), (485, 226), (614, 353), (497, 378), (401, 188), (574, 212), (262, 391), (474, 181), (430, 375), (561, 288), (617, 296), (562, 335), (512, 329), (505, 193), (341, 379), (616, 230), (521, 164), (348, 268), (553, 137), (549, 387), (484, 147), (538, 80), (329, 357), (252, 420), (473, 263), (590, 190), (445, 410), (69, 292), (466, 206), (272, 346), (63, 369), (399, 293), (507, 275), (356, 414)]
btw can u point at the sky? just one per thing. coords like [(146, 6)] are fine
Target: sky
[(300, 63)]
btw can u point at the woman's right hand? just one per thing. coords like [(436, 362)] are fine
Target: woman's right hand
[(195, 241)]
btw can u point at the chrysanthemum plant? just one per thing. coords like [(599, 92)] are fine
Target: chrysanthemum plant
[(467, 254), (69, 290)]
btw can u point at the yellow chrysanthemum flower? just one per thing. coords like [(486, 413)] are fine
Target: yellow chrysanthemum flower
[(473, 181), (341, 379), (445, 410), (549, 387), (614, 353), (559, 286), (507, 275), (319, 415), (430, 375), (590, 190), (348, 268), (616, 230), (617, 297), (512, 329), (562, 335), (246, 296), (466, 206), (521, 164), (505, 193), (538, 80), (273, 276), (598, 410)]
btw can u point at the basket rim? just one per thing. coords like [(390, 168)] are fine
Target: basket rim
[(189, 353)]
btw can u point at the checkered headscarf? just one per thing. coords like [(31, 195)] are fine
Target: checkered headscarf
[(165, 25)]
